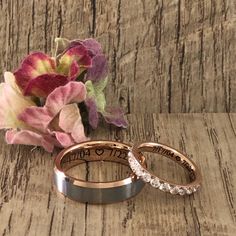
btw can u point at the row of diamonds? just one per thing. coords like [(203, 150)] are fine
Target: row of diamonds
[(156, 182)]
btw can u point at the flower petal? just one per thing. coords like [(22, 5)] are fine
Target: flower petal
[(70, 93), (61, 45), (78, 133), (33, 65), (93, 46), (98, 70), (74, 70), (27, 137), (93, 113), (10, 79), (70, 121), (12, 103), (40, 117), (43, 85), (64, 139), (36, 117), (69, 115), (78, 53), (115, 116)]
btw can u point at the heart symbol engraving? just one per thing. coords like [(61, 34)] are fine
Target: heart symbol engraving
[(99, 151)]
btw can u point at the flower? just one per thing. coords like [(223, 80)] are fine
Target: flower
[(99, 67), (95, 82), (12, 103), (39, 74), (45, 101), (57, 123), (96, 103)]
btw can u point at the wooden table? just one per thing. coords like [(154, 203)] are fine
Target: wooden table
[(181, 53), (29, 205), (164, 57)]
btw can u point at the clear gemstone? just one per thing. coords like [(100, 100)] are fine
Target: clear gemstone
[(155, 182), (188, 190), (132, 167), (146, 177), (138, 171), (193, 189), (174, 190), (133, 164), (165, 187), (131, 161), (182, 191)]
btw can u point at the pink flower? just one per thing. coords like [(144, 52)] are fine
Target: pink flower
[(12, 103), (95, 81), (40, 74), (57, 123), (42, 102)]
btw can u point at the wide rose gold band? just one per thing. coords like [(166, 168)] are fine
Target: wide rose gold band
[(96, 192), (157, 182)]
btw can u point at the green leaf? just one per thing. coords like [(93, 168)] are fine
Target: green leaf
[(95, 91), (101, 85), (90, 89), (101, 102)]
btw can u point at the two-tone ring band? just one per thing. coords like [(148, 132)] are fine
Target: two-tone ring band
[(96, 192), (156, 181)]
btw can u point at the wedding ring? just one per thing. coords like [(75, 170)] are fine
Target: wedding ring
[(96, 192), (141, 171)]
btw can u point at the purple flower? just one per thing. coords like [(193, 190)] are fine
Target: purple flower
[(99, 67)]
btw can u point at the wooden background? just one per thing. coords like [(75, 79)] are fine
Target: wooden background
[(164, 57), (31, 206)]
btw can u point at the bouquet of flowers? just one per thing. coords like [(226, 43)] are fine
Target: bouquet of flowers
[(48, 101)]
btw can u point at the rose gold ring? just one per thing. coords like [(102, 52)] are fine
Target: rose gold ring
[(96, 192), (157, 182)]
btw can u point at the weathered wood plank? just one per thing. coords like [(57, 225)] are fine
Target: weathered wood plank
[(177, 56), (29, 205)]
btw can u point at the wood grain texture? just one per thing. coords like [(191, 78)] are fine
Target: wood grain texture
[(29, 205), (177, 56), (164, 57)]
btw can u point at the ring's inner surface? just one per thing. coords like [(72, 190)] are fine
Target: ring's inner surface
[(89, 154), (72, 163), (173, 155)]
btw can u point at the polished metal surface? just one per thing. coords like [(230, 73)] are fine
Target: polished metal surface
[(95, 192), (97, 195), (156, 181)]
